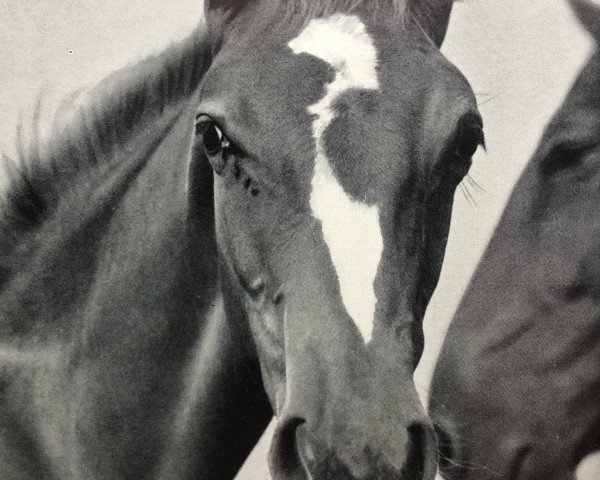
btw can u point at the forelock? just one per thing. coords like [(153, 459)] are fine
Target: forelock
[(319, 8)]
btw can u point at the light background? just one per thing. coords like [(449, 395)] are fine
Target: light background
[(520, 56)]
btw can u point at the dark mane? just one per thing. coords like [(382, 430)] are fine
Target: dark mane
[(116, 106)]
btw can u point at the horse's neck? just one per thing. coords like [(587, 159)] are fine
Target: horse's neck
[(217, 405), (223, 410), (122, 285)]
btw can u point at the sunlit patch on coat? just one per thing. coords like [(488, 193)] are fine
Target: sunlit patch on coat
[(351, 228)]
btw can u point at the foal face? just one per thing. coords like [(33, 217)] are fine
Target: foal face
[(337, 144)]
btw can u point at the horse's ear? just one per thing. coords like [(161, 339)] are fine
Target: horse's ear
[(433, 16), (217, 11), (588, 13)]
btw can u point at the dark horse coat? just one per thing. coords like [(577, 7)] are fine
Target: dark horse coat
[(250, 223)]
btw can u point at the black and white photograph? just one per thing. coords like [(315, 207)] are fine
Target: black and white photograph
[(300, 240)]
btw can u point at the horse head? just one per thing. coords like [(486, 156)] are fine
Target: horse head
[(337, 133)]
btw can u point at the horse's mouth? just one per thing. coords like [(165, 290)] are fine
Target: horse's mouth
[(457, 464)]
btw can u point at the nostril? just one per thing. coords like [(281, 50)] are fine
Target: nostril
[(414, 467), (284, 458)]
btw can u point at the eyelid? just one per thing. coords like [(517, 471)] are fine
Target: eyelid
[(202, 118), (227, 143), (250, 156), (470, 118), (481, 137), (233, 143), (565, 155), (259, 172), (471, 121)]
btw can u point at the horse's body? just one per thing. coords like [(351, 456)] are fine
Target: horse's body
[(252, 222), (516, 392)]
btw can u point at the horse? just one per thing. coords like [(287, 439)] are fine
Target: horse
[(250, 223), (516, 389)]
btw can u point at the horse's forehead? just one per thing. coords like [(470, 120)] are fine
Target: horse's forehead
[(291, 65), (342, 41), (268, 82), (358, 75)]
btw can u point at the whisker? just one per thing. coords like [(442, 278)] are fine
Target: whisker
[(469, 178), (491, 97), (472, 466), (467, 194), (462, 190)]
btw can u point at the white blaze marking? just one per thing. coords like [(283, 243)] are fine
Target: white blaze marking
[(351, 229)]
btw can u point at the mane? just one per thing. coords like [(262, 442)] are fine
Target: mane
[(94, 131)]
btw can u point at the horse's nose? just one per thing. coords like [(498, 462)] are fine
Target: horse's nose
[(285, 460), (301, 454)]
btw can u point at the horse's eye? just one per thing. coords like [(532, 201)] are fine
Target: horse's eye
[(468, 141), (564, 156), (213, 142), (213, 139)]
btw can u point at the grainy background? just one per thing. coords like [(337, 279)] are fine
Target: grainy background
[(519, 55)]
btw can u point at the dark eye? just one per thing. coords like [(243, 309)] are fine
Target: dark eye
[(564, 156), (214, 142), (212, 137), (468, 141)]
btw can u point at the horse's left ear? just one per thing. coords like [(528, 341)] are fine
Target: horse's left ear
[(224, 5), (433, 16), (219, 10), (218, 14), (588, 14)]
